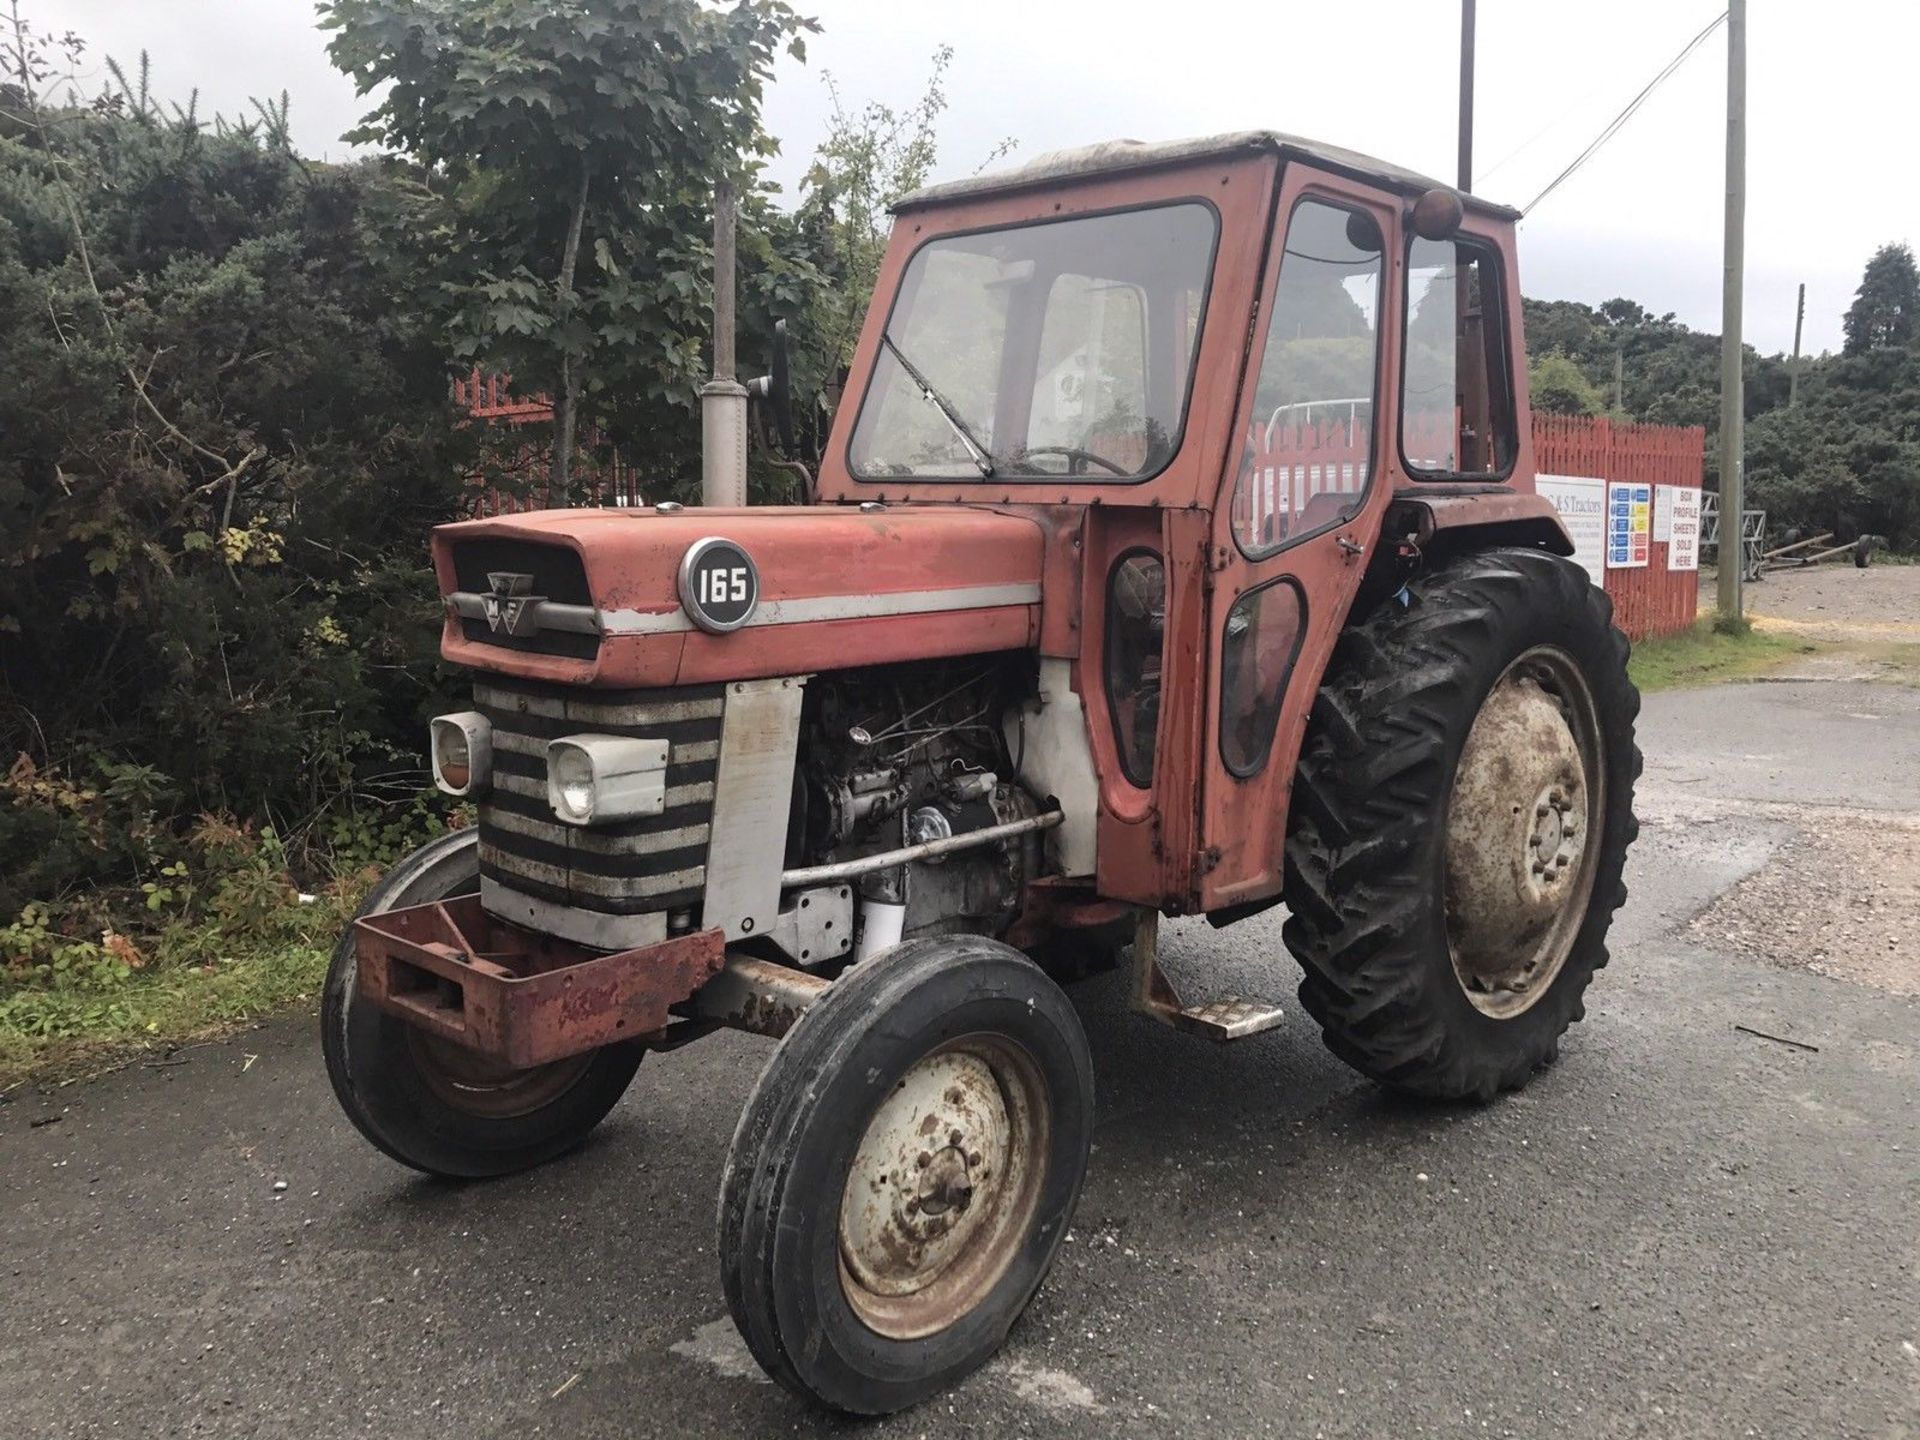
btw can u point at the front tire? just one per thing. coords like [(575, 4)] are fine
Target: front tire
[(429, 1103), (1460, 821), (904, 1173)]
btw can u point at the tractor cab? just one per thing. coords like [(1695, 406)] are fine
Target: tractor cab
[(1216, 366)]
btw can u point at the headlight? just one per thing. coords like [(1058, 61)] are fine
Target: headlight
[(462, 749), (592, 778), (570, 783)]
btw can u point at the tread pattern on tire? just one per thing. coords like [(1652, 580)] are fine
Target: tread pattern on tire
[(1367, 820)]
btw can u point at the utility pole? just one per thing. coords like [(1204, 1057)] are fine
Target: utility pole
[(1620, 377), (1793, 373), (1732, 400), (723, 399), (1466, 95)]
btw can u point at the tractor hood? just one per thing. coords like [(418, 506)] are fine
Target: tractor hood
[(640, 597)]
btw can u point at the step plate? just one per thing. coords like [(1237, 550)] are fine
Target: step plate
[(1232, 1018)]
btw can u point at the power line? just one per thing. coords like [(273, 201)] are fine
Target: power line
[(1633, 106)]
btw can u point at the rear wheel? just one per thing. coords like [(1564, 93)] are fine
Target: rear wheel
[(435, 1105), (904, 1173), (1460, 821)]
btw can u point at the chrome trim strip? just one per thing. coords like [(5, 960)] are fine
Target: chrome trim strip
[(585, 620), (581, 837), (533, 745), (583, 927), (581, 882), (547, 614), (597, 712), (833, 607), (677, 795)]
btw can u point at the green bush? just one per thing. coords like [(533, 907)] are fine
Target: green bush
[(227, 433)]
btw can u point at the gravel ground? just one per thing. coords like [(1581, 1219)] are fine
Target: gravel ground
[(1837, 602), (1841, 898)]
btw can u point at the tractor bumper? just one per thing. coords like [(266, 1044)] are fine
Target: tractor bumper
[(518, 997)]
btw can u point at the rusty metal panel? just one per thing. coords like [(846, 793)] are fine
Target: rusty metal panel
[(516, 996)]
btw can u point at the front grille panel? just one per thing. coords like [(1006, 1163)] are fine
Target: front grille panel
[(630, 867), (558, 575)]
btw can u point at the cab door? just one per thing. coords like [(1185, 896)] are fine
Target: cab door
[(1297, 513)]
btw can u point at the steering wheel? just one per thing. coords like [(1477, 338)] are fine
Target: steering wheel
[(1077, 457)]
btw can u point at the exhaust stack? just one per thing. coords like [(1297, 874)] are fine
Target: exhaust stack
[(723, 399)]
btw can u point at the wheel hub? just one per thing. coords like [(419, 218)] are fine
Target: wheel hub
[(1523, 810), (936, 1198)]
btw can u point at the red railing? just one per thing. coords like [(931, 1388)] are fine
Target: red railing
[(524, 466)]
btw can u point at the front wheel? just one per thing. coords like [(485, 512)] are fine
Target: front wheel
[(435, 1105), (1460, 822), (904, 1173)]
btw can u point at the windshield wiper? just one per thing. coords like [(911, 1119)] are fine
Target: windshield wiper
[(981, 460)]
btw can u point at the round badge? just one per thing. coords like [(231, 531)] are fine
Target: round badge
[(719, 586)]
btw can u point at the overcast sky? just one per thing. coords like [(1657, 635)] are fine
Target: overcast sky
[(1831, 169)]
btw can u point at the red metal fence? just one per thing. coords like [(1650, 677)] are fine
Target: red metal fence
[(517, 478), (1651, 600)]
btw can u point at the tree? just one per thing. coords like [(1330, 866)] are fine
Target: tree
[(549, 129), (1886, 308), (869, 159), (1558, 387)]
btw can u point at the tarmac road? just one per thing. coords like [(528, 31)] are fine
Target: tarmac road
[(1682, 1229)]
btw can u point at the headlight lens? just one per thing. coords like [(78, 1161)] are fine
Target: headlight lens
[(456, 760), (572, 775), (462, 750)]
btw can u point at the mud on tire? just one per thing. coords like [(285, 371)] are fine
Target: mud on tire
[(1367, 849)]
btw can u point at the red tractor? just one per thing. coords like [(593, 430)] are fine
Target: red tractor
[(1175, 552)]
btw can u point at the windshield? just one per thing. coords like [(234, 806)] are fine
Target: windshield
[(1041, 351)]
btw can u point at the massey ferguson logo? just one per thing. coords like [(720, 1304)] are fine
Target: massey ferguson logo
[(512, 607)]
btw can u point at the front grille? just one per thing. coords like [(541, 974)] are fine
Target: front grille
[(630, 867), (558, 576)]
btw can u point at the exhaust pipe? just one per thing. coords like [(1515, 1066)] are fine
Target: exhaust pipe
[(723, 399)]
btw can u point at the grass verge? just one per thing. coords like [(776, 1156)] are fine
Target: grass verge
[(1702, 655), (61, 1031)]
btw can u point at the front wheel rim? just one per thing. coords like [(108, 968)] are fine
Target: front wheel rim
[(944, 1186), (1524, 829)]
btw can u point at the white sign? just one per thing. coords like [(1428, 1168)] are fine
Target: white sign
[(1683, 545), (1663, 514), (1582, 503)]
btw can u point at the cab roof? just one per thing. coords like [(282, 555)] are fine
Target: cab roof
[(1112, 157)]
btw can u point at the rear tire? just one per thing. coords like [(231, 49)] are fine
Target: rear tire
[(426, 1102), (1448, 943), (904, 1173)]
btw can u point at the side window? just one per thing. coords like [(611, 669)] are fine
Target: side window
[(1136, 623), (1456, 411), (1263, 637), (1090, 386), (1309, 453)]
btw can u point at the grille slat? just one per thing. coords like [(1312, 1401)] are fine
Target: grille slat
[(655, 862)]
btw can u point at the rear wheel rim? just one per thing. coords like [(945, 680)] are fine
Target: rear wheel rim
[(944, 1186), (1524, 823)]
